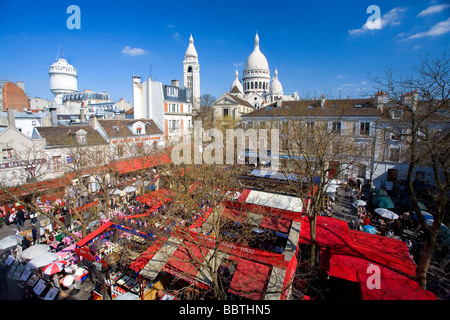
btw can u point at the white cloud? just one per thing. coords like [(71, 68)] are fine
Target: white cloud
[(133, 51), (170, 26), (339, 76), (436, 30), (176, 36), (390, 18), (434, 9)]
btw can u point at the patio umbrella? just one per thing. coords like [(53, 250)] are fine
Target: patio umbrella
[(383, 202), (385, 213), (129, 189), (379, 193), (42, 260), (370, 229), (429, 219), (54, 267), (10, 241), (359, 203), (34, 251), (408, 203)]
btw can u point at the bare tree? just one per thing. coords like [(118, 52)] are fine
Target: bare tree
[(423, 98)]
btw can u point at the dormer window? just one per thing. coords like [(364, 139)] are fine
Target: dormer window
[(116, 129), (81, 137), (139, 130)]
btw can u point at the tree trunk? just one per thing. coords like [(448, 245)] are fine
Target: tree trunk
[(425, 258), (312, 231)]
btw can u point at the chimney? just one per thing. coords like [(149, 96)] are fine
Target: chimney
[(175, 83), (322, 101), (279, 102), (11, 117), (21, 85), (54, 117), (93, 122), (82, 115), (381, 98)]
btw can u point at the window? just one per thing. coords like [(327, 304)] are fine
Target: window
[(364, 129), (362, 171), (69, 159), (225, 112), (336, 127), (56, 163), (81, 137), (310, 125), (394, 154), (120, 151), (139, 130), (7, 153)]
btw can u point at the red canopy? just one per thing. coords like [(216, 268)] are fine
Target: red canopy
[(393, 286), (147, 255), (249, 280), (185, 263), (329, 232), (94, 234), (274, 223), (129, 165)]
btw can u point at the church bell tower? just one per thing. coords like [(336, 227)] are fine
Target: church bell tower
[(191, 73)]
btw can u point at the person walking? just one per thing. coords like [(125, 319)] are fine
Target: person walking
[(34, 233), (20, 218)]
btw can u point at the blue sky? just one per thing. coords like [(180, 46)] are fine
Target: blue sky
[(318, 47)]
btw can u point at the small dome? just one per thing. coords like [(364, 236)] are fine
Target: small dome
[(256, 60), (236, 83), (191, 52), (275, 85)]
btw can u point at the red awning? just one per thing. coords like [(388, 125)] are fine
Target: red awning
[(382, 250), (130, 165), (235, 214), (158, 197), (185, 263), (147, 255), (329, 232), (281, 225), (249, 280), (393, 286), (94, 234)]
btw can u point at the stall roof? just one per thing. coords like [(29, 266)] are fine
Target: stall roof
[(94, 234), (249, 280), (130, 165), (393, 286), (273, 200), (147, 255), (329, 232)]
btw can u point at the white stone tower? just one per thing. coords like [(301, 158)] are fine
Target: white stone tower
[(256, 76), (191, 73), (63, 79)]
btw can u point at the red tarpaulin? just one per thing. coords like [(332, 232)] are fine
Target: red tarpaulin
[(186, 261), (264, 210), (250, 279), (393, 286), (276, 224), (158, 197), (234, 214), (147, 255), (383, 250), (94, 234), (329, 232), (129, 165)]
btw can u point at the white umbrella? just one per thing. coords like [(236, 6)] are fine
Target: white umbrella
[(359, 203), (129, 189), (10, 241), (331, 188), (34, 251), (117, 191), (42, 260), (385, 213)]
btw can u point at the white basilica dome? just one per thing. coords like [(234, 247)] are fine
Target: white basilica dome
[(275, 85), (256, 60)]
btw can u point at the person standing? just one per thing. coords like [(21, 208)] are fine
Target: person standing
[(20, 218), (34, 233)]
